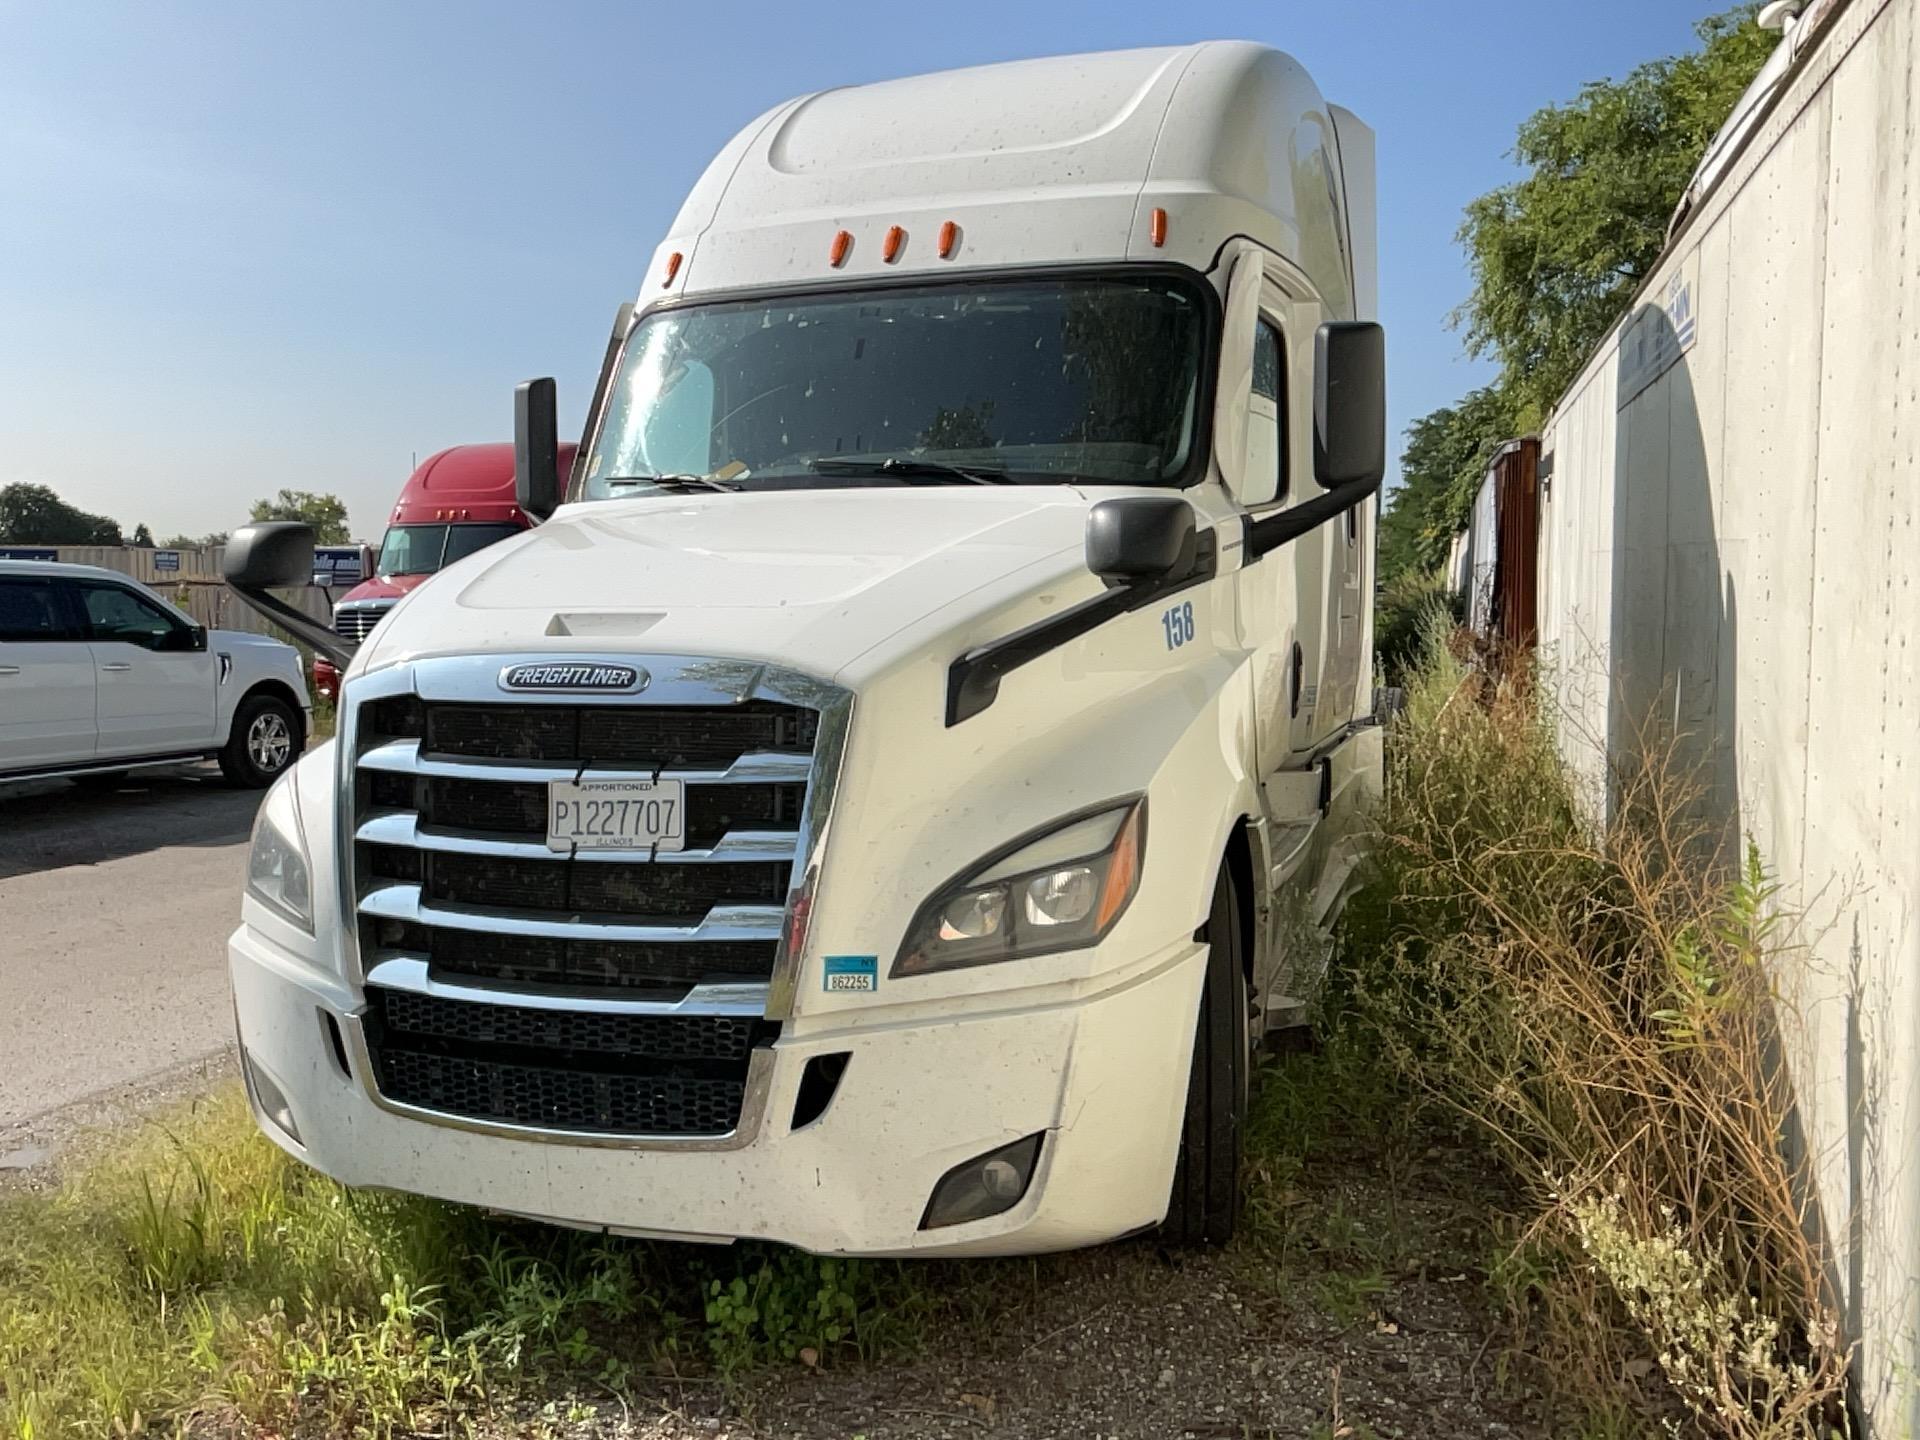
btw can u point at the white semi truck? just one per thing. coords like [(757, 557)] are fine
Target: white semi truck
[(886, 800)]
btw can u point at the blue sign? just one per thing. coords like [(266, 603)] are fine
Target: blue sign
[(166, 559), (336, 565), (28, 552)]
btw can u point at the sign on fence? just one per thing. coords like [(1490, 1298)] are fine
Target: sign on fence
[(168, 560), (28, 552)]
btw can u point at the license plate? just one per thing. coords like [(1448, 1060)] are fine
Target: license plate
[(616, 815)]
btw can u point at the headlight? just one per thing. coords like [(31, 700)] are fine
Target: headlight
[(277, 873), (1059, 890)]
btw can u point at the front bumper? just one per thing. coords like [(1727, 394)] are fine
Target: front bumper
[(1105, 1077)]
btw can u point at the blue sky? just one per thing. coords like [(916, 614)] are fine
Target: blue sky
[(248, 246)]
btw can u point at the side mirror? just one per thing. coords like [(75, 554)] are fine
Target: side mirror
[(536, 448), (1349, 403), (1140, 538), (273, 555), (278, 555)]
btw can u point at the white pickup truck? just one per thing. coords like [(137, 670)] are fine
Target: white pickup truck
[(99, 676), (883, 806)]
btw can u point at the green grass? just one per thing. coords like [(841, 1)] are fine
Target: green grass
[(198, 1270)]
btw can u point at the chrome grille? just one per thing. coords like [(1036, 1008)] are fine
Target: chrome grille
[(355, 622), (462, 910)]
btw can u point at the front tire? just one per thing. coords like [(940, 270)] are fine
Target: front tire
[(267, 736), (1204, 1208)]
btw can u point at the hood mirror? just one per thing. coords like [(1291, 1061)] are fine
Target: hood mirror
[(1141, 538), (536, 447), (278, 555)]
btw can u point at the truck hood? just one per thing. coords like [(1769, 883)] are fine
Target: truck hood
[(815, 580), (382, 587)]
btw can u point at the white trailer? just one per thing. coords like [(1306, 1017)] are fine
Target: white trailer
[(882, 806), (1733, 494)]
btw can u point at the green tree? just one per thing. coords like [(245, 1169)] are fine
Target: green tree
[(327, 514), (35, 515), (1557, 255), (188, 542), (1444, 462), (142, 537)]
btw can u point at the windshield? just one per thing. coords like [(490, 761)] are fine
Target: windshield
[(1094, 379), (424, 549)]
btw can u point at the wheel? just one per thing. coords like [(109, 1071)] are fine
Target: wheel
[(266, 738), (101, 780), (1204, 1208)]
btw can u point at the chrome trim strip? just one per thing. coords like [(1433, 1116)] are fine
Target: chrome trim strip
[(403, 757), (402, 901), (401, 970), (105, 767), (753, 1107), (403, 827), (835, 709)]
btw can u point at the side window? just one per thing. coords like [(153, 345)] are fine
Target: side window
[(117, 614), (1266, 362), (1266, 473), (29, 611)]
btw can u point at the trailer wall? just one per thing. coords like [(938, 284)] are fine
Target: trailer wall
[(1728, 536)]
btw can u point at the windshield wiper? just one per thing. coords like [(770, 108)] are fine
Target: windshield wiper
[(673, 482), (909, 468)]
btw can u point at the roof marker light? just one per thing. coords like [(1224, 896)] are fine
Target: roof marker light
[(949, 239), (837, 254), (1158, 227), (673, 269), (890, 247)]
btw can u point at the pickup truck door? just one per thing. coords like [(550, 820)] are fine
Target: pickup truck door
[(156, 679), (46, 678)]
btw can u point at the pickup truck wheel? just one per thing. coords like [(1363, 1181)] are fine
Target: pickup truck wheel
[(266, 738), (1205, 1205)]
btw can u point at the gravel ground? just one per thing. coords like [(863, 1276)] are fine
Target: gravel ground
[(1134, 1343)]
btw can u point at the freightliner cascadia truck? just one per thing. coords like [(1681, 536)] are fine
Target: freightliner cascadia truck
[(926, 741)]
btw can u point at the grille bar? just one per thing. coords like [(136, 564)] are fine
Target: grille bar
[(724, 922), (398, 827), (404, 757), (725, 972)]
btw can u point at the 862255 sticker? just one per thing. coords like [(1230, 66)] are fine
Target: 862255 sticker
[(851, 973)]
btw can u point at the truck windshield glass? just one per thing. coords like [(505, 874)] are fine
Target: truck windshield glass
[(1094, 379), (424, 549)]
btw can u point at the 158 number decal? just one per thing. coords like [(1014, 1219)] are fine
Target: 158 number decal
[(1178, 625)]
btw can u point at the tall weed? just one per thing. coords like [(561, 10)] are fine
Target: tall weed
[(1589, 979)]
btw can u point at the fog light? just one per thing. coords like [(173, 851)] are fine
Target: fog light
[(985, 1185), (268, 1099)]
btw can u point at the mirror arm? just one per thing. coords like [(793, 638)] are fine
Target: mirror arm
[(973, 681), (1273, 531), (301, 626)]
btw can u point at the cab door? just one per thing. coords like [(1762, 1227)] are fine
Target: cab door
[(46, 678), (156, 680), (1286, 593)]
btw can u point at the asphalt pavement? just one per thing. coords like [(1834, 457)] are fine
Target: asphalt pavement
[(114, 913)]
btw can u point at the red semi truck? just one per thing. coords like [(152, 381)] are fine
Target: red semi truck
[(458, 501)]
